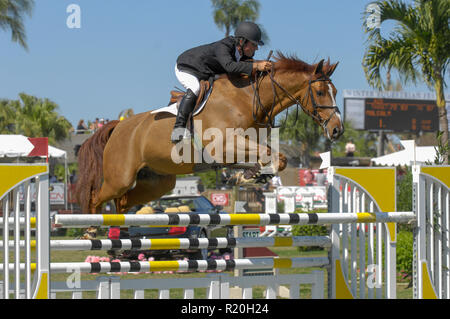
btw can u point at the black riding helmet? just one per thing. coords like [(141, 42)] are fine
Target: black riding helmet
[(249, 31)]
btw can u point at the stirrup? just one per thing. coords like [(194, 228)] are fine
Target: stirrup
[(179, 134)]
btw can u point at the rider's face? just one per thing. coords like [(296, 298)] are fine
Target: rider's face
[(250, 49)]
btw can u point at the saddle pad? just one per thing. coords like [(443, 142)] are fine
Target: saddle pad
[(173, 108)]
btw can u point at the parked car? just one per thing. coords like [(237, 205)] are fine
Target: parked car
[(197, 205)]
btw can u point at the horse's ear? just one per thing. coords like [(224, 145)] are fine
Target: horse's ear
[(319, 67), (332, 68)]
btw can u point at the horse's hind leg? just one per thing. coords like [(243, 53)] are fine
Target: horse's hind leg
[(146, 190), (115, 185)]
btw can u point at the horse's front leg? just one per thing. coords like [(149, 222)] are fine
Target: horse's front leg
[(278, 161), (248, 150)]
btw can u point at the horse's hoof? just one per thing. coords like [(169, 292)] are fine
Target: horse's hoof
[(244, 180), (253, 172), (248, 174), (89, 234)]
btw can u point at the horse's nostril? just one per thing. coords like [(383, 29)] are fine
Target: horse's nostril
[(335, 132)]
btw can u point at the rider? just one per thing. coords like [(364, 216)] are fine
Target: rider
[(230, 55)]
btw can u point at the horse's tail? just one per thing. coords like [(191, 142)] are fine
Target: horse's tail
[(90, 166)]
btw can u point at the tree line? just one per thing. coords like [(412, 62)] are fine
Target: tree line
[(33, 117)]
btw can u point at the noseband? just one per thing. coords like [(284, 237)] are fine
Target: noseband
[(271, 121)]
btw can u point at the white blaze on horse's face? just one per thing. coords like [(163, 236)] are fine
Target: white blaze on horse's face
[(334, 127), (330, 90)]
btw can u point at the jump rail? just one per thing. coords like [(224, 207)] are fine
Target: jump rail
[(183, 243), (76, 221), (183, 265)]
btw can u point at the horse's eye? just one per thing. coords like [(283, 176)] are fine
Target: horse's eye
[(320, 93)]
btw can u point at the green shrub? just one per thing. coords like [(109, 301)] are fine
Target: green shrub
[(405, 254), (78, 232), (310, 230), (280, 207), (75, 232), (404, 196)]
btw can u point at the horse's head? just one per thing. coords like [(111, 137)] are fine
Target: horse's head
[(310, 86), (319, 100)]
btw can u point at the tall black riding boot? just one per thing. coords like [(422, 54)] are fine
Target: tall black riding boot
[(186, 107)]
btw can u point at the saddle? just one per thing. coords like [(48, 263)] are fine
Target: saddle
[(205, 86)]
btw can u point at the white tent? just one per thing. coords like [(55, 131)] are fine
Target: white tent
[(20, 146), (410, 155)]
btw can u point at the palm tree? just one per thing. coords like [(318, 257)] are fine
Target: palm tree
[(11, 18), (229, 13), (35, 117), (419, 47), (7, 117)]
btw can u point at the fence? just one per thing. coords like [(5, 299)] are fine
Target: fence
[(363, 212)]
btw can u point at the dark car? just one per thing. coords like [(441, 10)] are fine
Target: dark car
[(167, 204)]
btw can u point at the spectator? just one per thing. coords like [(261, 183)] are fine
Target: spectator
[(260, 198), (73, 177), (309, 177), (276, 181), (101, 123), (321, 178), (200, 187), (94, 126), (224, 177), (81, 127), (350, 149)]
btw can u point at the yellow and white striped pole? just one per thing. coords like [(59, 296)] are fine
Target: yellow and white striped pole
[(183, 243), (185, 265), (75, 221)]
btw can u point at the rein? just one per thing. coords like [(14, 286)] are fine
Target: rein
[(257, 105)]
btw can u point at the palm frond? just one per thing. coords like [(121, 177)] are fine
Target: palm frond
[(418, 45), (11, 18), (229, 13)]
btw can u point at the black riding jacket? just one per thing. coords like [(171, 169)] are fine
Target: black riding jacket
[(216, 58)]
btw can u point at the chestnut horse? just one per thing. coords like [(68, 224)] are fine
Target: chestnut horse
[(130, 161)]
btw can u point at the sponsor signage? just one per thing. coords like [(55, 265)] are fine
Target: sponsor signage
[(220, 199)]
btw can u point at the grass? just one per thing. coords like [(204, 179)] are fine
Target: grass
[(258, 292)]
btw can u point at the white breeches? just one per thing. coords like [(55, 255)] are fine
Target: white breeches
[(188, 81)]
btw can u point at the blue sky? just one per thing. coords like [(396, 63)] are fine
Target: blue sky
[(123, 55)]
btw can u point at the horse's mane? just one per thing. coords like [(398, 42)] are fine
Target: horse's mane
[(283, 63), (291, 63)]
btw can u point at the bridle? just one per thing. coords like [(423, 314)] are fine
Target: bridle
[(315, 114), (257, 105)]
